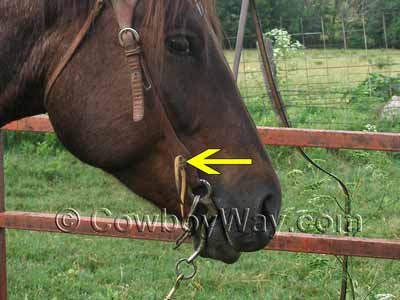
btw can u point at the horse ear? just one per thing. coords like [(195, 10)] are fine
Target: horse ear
[(124, 11)]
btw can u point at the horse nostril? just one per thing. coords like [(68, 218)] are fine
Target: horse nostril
[(265, 210), (270, 209)]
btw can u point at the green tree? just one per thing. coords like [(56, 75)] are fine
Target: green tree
[(296, 16), (229, 12)]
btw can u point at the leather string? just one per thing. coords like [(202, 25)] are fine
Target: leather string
[(72, 49), (277, 99)]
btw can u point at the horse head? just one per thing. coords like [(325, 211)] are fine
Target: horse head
[(193, 94)]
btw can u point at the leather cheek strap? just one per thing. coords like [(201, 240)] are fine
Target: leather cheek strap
[(130, 40), (124, 12)]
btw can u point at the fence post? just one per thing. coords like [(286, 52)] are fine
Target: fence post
[(365, 35), (270, 53), (385, 31), (324, 39), (302, 31), (3, 256), (240, 37), (344, 34)]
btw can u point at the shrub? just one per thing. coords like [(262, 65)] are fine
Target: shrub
[(376, 85), (283, 43)]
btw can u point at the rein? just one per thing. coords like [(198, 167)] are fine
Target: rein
[(277, 98), (280, 109)]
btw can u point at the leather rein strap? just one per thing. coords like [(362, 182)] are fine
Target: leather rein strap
[(277, 98)]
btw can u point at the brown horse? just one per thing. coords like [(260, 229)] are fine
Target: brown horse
[(90, 104)]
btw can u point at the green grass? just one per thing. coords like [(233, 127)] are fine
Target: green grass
[(50, 266), (324, 88), (40, 177)]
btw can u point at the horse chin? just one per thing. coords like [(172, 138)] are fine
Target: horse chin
[(217, 246)]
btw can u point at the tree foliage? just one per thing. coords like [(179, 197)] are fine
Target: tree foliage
[(229, 11), (296, 16)]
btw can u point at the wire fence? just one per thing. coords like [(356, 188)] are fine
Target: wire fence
[(339, 80)]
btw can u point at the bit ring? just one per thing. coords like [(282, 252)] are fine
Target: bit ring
[(179, 273), (208, 187)]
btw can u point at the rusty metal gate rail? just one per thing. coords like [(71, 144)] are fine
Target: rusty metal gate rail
[(293, 137), (292, 242)]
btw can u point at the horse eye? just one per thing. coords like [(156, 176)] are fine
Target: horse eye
[(179, 45)]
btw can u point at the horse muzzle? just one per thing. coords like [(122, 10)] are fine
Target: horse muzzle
[(225, 233)]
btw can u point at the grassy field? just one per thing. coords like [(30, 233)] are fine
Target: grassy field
[(332, 89), (41, 177)]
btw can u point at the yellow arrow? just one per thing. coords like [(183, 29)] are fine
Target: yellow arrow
[(202, 160)]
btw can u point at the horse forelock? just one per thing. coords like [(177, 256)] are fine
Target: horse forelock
[(159, 14), (166, 14)]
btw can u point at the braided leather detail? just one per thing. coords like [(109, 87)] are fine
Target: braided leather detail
[(133, 58)]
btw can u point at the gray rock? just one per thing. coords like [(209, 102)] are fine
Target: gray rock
[(391, 111)]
